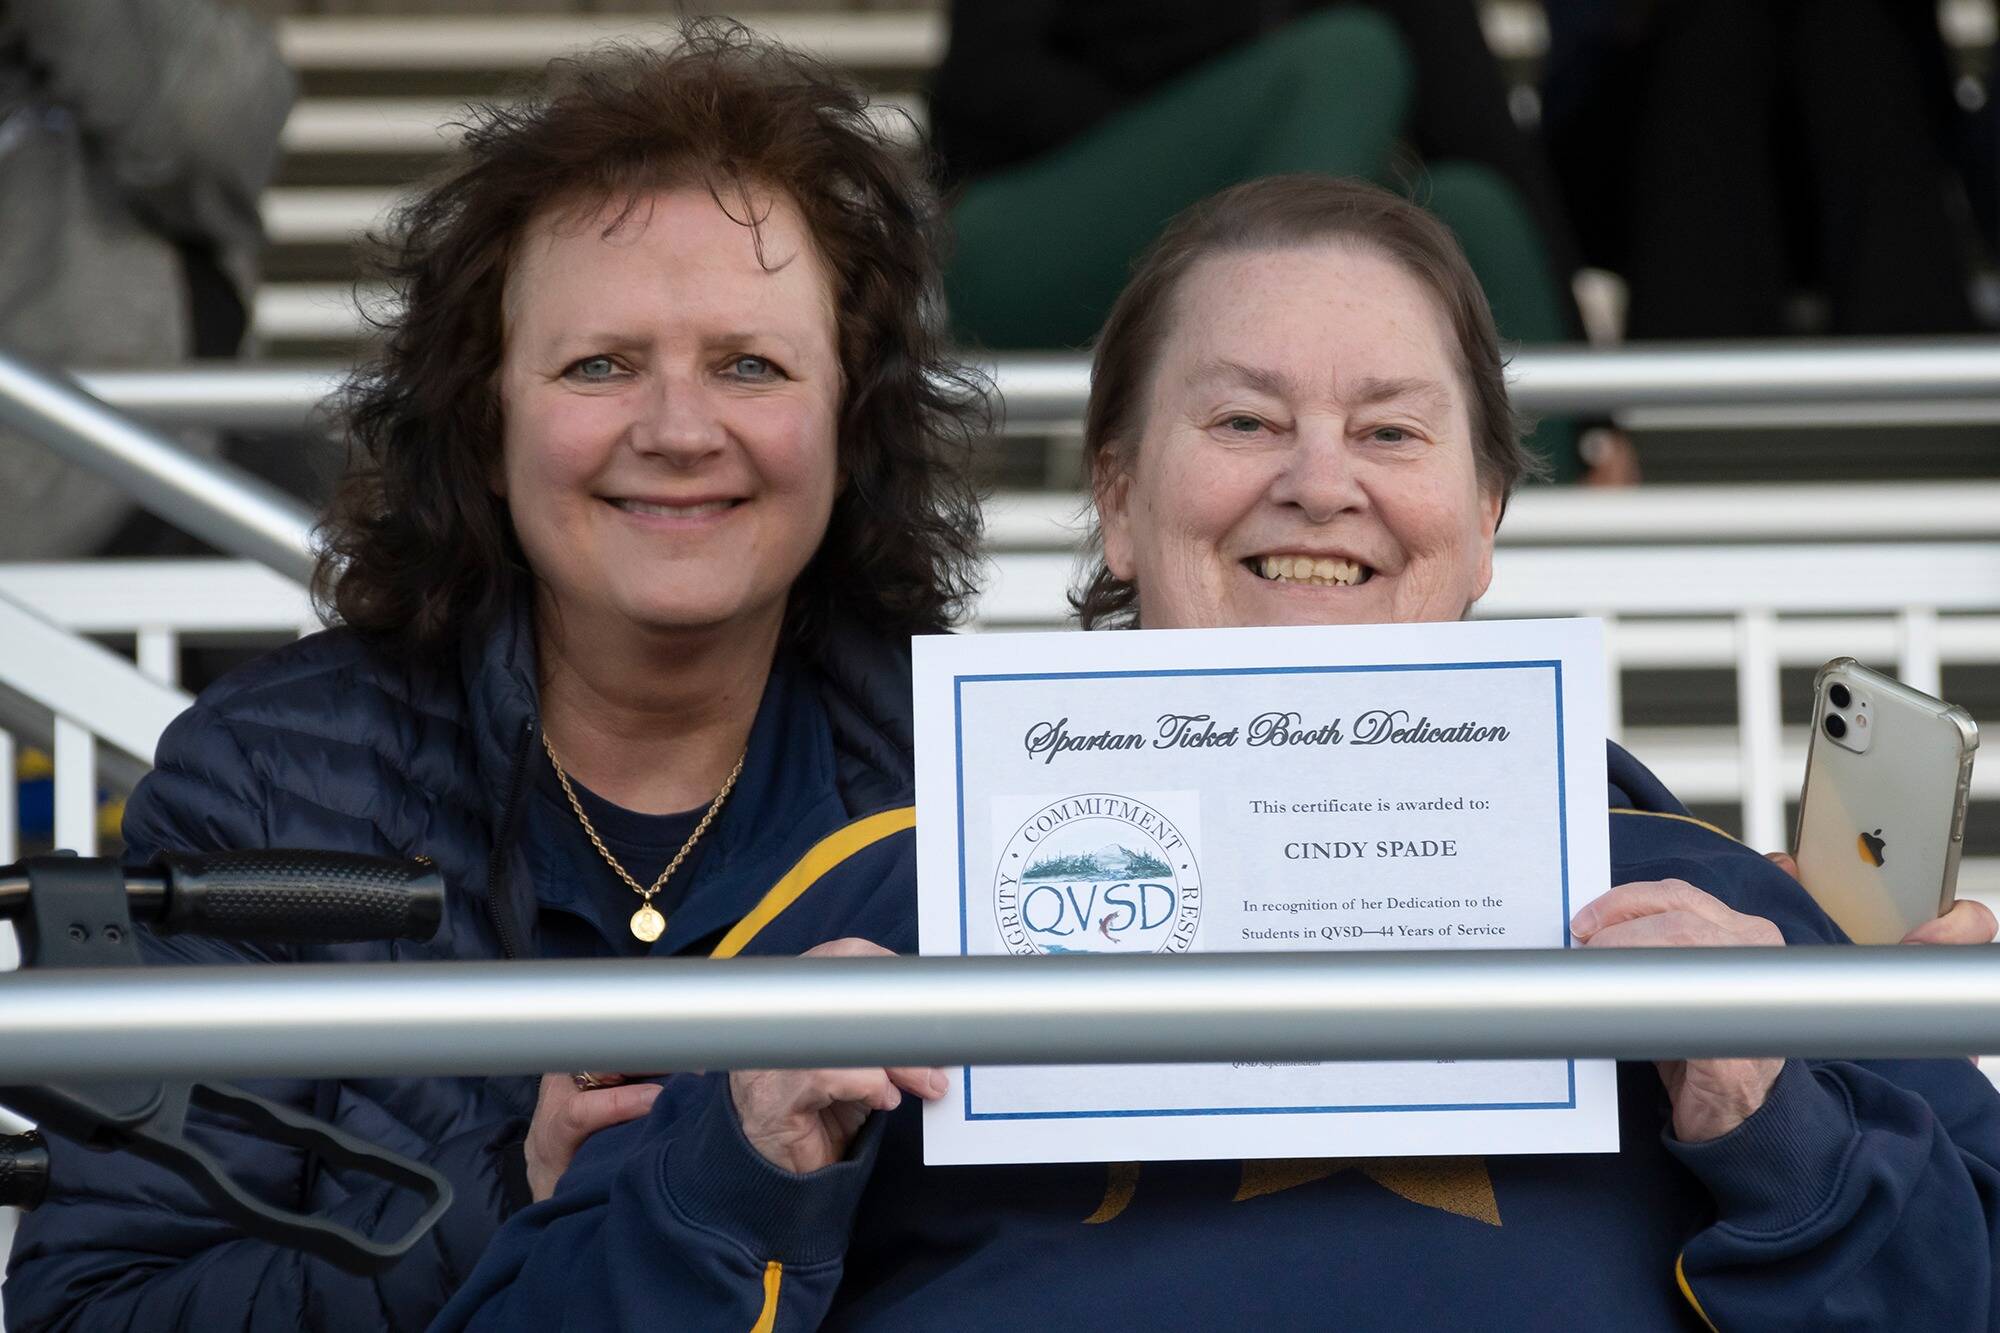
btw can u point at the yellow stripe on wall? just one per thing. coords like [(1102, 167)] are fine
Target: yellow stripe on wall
[(823, 856), (774, 1275)]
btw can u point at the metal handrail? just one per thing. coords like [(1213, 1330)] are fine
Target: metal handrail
[(227, 395), (1050, 390), (485, 1018), (221, 504)]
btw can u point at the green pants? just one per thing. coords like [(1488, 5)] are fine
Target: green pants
[(1043, 250)]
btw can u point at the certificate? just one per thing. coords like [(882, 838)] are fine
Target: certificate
[(1171, 791)]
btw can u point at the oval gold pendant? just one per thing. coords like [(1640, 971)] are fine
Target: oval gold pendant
[(647, 924)]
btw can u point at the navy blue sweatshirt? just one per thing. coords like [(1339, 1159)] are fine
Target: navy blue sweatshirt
[(1861, 1195)]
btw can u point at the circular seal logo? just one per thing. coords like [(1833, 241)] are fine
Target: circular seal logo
[(1097, 873)]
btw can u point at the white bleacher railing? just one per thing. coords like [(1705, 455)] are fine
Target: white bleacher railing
[(1693, 384), (910, 41), (71, 693), (91, 696), (410, 125)]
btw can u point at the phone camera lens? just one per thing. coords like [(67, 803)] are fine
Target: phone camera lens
[(1839, 695), (1835, 726)]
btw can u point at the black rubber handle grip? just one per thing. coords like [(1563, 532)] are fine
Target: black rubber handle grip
[(24, 1170), (305, 896)]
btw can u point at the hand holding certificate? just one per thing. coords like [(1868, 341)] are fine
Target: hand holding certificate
[(1402, 787)]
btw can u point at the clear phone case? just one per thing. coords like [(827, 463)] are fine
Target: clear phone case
[(1882, 816)]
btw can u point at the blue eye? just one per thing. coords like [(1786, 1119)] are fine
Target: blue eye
[(1242, 425), (753, 368), (1390, 434), (594, 368)]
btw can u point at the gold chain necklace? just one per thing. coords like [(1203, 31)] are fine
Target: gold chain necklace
[(647, 923)]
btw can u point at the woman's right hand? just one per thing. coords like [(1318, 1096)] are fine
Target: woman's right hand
[(566, 1115), (805, 1119)]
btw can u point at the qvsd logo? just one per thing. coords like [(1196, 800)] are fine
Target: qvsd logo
[(1097, 873)]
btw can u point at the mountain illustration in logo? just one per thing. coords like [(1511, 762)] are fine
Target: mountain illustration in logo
[(1870, 846), (1112, 861), (1096, 872)]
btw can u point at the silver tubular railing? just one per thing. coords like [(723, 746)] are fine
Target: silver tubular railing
[(223, 505), (226, 396), (1050, 390), (1582, 379), (484, 1018)]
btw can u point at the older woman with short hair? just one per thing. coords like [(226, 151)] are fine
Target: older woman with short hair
[(661, 465), (1298, 416)]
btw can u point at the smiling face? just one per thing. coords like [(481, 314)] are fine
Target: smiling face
[(1306, 455), (670, 405)]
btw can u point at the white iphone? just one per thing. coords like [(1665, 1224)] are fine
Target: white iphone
[(1882, 816)]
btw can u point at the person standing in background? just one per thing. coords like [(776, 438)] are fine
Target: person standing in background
[(135, 139), (1073, 129), (1722, 153)]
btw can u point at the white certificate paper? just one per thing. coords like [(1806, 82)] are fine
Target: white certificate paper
[(1353, 787)]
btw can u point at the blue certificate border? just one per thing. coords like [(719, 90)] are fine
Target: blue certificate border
[(958, 685)]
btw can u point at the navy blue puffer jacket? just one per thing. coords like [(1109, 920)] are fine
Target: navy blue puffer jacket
[(325, 744)]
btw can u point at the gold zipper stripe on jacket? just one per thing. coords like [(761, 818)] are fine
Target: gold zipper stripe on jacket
[(1680, 1276), (1685, 819), (774, 1277), (822, 857)]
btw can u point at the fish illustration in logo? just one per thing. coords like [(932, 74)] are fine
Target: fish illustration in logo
[(1104, 926), (1870, 846)]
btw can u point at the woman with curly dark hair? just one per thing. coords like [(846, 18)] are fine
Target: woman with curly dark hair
[(658, 469)]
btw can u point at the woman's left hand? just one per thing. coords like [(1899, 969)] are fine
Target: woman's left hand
[(1967, 922), (1710, 1097)]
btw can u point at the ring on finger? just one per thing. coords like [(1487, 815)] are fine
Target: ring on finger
[(587, 1082)]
